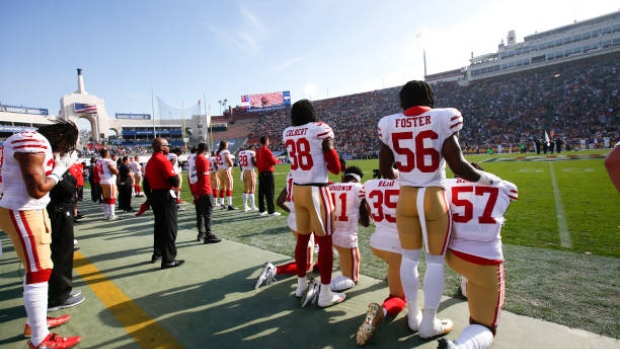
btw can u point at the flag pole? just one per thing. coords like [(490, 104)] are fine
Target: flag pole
[(204, 99), (183, 134), (153, 110), (211, 129)]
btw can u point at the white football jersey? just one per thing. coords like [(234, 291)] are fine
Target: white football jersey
[(416, 138), (192, 175), (478, 216), (245, 159), (305, 151), (213, 162), (105, 174), (136, 167), (382, 197), (221, 159), (174, 159), (292, 221), (347, 198), (15, 195)]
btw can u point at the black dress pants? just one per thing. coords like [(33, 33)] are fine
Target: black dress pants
[(266, 192), (61, 279), (164, 207)]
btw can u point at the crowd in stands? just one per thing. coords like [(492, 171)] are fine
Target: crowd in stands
[(573, 101), (92, 149)]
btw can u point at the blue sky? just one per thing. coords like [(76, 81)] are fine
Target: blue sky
[(185, 50)]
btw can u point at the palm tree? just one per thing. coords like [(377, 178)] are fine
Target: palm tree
[(222, 103)]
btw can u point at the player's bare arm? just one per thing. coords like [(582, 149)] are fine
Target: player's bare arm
[(33, 172), (386, 162), (364, 214), (281, 201), (451, 151)]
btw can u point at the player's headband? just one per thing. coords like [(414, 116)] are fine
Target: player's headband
[(354, 175)]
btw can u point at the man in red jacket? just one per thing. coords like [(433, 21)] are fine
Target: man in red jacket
[(265, 160), (162, 182)]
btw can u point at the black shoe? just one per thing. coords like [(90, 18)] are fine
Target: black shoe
[(70, 302), (174, 264), (231, 208), (155, 259), (212, 239), (200, 236), (79, 216)]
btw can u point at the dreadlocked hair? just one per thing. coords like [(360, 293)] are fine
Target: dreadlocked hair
[(302, 113), (61, 130), (416, 92)]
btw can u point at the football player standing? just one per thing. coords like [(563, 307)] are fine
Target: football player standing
[(309, 144), (419, 141)]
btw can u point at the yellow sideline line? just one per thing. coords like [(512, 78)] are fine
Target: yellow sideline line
[(144, 330)]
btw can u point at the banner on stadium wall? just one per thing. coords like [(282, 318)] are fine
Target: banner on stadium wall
[(16, 129), (266, 101), (23, 110), (131, 116)]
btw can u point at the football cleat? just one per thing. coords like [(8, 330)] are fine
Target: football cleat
[(327, 298), (445, 344), (341, 283), (143, 208), (374, 316), (438, 327), (311, 294), (54, 341), (267, 275), (51, 323)]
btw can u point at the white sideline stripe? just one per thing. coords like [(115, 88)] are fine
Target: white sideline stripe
[(565, 240)]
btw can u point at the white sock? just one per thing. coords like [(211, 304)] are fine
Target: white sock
[(111, 208), (325, 291), (433, 281), (251, 199), (245, 200), (409, 274), (475, 337), (35, 302), (410, 280), (302, 285), (106, 210), (229, 198)]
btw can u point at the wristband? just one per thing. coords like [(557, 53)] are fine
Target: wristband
[(54, 177)]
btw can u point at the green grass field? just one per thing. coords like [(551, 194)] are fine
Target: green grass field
[(561, 238)]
